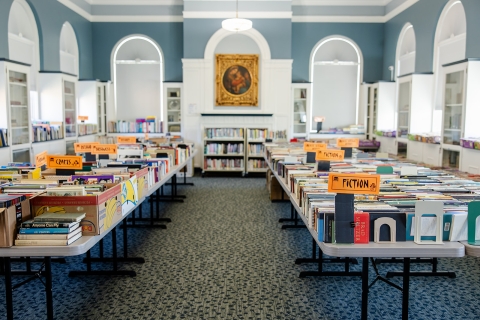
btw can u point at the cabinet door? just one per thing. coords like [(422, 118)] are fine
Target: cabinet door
[(19, 108), (453, 107)]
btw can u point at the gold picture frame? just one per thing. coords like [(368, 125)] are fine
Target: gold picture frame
[(236, 78)]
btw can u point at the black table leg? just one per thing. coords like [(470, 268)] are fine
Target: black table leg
[(296, 220), (48, 287), (406, 287), (365, 289), (8, 287)]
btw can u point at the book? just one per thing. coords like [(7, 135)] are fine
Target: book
[(35, 224), (66, 191), (60, 217), (66, 242), (362, 227), (60, 236), (48, 230)]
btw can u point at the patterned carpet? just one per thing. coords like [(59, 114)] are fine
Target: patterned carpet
[(224, 256)]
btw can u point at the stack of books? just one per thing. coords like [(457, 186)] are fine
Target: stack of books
[(50, 229)]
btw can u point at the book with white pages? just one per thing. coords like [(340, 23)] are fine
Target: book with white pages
[(50, 236), (64, 242)]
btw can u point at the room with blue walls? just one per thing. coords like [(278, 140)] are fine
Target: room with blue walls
[(368, 36), (169, 36)]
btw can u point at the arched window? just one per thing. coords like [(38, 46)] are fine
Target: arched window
[(336, 66), (68, 50), (406, 46), (450, 46), (23, 45), (137, 66)]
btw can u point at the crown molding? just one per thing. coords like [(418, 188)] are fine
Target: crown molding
[(380, 3), (348, 19), (137, 19), (242, 14)]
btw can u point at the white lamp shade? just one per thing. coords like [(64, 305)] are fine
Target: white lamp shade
[(236, 24)]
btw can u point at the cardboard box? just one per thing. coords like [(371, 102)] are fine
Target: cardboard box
[(276, 190), (9, 220), (129, 198), (101, 210)]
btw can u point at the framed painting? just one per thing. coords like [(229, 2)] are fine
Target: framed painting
[(236, 77)]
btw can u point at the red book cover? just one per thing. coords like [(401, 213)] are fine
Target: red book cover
[(362, 227)]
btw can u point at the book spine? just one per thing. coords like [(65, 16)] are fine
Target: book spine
[(41, 242), (328, 224), (42, 237), (362, 227), (38, 219), (46, 224), (44, 230)]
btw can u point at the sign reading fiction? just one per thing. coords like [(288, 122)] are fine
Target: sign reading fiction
[(104, 149), (330, 155), (64, 162), (354, 183), (314, 146), (127, 140), (41, 159), (348, 142), (83, 147)]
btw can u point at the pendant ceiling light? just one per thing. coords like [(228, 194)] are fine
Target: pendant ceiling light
[(236, 24)]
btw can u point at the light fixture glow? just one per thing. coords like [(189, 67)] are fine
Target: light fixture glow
[(236, 24)]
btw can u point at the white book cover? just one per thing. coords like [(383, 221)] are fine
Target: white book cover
[(48, 242)]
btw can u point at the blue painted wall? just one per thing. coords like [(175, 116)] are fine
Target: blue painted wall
[(368, 36), (50, 16), (277, 32), (168, 35), (424, 17)]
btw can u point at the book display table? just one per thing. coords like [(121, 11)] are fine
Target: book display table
[(405, 250), (81, 246)]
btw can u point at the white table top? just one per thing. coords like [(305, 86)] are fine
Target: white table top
[(471, 250), (404, 249), (85, 243)]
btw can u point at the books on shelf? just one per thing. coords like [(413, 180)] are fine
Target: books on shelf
[(256, 149), (224, 148), (236, 133), (257, 134), (47, 130), (277, 135), (256, 164), (87, 128), (140, 125), (223, 164)]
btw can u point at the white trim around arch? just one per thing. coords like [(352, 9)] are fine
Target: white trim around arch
[(400, 40), (252, 33), (113, 65)]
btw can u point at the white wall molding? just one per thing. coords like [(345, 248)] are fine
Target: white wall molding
[(348, 19), (340, 2), (404, 6), (241, 14), (137, 19), (72, 6)]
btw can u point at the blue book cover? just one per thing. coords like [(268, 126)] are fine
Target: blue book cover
[(44, 230), (320, 227)]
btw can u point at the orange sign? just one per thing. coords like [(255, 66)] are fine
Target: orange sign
[(82, 118), (82, 147), (348, 142), (104, 149), (127, 140), (354, 183), (314, 146), (146, 135), (64, 162), (330, 155), (41, 159)]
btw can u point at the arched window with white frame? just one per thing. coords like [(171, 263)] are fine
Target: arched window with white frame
[(336, 71), (450, 46), (406, 51), (69, 60), (137, 74)]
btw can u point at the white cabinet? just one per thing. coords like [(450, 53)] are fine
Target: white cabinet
[(383, 102), (15, 112), (300, 110), (92, 104), (173, 108)]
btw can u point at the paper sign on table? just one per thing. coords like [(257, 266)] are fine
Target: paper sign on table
[(354, 183), (41, 159), (314, 146), (127, 140), (104, 149), (82, 118), (64, 162), (330, 155), (348, 142), (83, 147)]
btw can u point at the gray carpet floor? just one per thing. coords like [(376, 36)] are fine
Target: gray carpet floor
[(224, 256)]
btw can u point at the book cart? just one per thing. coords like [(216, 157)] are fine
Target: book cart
[(405, 250), (82, 246)]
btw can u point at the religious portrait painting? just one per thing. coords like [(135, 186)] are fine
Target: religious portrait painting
[(236, 80)]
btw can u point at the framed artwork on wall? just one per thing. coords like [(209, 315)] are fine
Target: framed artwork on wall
[(236, 77)]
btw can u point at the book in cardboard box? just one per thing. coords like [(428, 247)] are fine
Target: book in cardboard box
[(142, 182), (10, 217), (129, 195), (102, 210)]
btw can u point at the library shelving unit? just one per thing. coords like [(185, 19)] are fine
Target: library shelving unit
[(368, 111), (382, 114), (224, 150), (173, 108), (15, 111), (70, 108), (254, 160), (92, 101), (300, 104), (460, 115)]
